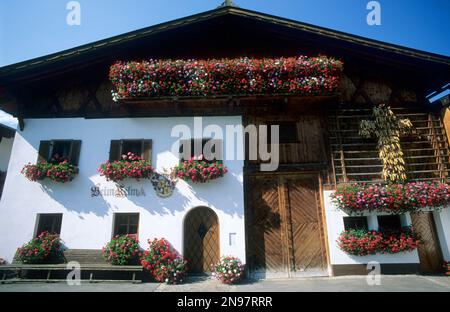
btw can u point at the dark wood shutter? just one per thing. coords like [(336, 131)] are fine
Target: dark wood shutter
[(75, 152), (44, 151), (114, 152), (147, 150)]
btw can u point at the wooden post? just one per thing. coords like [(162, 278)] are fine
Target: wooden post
[(341, 149)]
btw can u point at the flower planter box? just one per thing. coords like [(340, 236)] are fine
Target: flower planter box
[(122, 250), (199, 170), (391, 198), (129, 167), (57, 172), (292, 75), (363, 243)]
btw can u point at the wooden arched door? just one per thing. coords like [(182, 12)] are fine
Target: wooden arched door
[(201, 239)]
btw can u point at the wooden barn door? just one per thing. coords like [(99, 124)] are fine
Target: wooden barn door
[(284, 226), (429, 250), (201, 239), (265, 234), (305, 228)]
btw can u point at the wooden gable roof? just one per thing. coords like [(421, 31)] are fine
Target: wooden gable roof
[(228, 32)]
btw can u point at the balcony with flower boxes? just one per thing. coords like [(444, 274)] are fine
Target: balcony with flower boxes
[(218, 86)]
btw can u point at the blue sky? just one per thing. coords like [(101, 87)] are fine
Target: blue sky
[(33, 28)]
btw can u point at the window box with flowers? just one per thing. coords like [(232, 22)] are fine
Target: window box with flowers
[(58, 170), (163, 262), (301, 75), (363, 242), (46, 248), (122, 250), (57, 161), (391, 198), (199, 170), (130, 166)]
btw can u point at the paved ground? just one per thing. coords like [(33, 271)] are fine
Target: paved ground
[(348, 283)]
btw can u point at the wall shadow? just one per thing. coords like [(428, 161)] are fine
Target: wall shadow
[(82, 202)]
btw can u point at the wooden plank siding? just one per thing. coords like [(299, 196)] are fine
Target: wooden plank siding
[(305, 225), (310, 147)]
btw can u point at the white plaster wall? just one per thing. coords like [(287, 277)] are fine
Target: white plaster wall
[(87, 221), (442, 220), (335, 226), (5, 152)]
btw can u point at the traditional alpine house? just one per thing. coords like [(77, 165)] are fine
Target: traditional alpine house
[(282, 223)]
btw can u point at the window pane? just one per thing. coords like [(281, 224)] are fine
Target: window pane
[(287, 132), (134, 219), (122, 230), (389, 223), (126, 223), (49, 223), (355, 223), (61, 149), (134, 147), (198, 147), (132, 229)]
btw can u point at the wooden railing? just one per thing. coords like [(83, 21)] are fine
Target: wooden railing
[(426, 150)]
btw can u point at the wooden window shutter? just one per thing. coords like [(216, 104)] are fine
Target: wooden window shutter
[(44, 151), (147, 150), (115, 150), (75, 152)]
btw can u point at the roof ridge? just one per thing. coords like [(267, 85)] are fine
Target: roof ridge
[(223, 10)]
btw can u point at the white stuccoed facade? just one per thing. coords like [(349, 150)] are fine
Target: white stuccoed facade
[(335, 226), (442, 220), (88, 221)]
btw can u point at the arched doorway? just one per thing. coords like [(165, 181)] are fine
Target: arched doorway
[(201, 239)]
